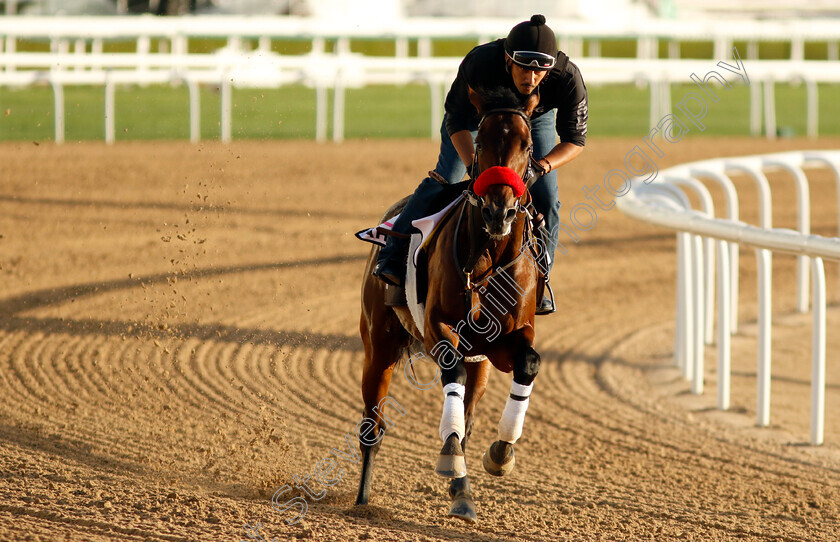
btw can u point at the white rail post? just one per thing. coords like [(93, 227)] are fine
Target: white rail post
[(699, 321), (338, 106), (144, 48), (803, 224), (834, 166), (732, 213), (401, 47), (684, 329), (226, 108), (436, 92), (58, 95), (195, 110), (770, 108), (654, 114), (764, 334), (320, 112), (813, 111), (724, 346), (833, 51), (707, 285), (424, 47), (110, 130), (765, 220), (818, 354), (684, 326), (755, 109)]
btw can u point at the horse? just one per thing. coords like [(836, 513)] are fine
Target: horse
[(482, 257)]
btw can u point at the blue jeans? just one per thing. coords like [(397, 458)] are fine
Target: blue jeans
[(450, 167)]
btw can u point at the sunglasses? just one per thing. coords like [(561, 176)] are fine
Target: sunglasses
[(533, 60)]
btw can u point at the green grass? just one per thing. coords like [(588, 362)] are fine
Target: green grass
[(162, 112)]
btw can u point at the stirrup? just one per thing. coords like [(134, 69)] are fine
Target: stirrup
[(546, 308)]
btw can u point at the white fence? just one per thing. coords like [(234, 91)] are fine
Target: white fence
[(703, 238), (77, 58), (647, 33)]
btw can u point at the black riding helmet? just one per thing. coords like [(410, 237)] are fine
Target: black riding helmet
[(532, 45)]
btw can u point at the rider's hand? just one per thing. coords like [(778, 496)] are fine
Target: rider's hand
[(542, 166)]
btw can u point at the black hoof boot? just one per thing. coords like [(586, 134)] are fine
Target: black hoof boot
[(498, 459), (451, 462), (462, 506)]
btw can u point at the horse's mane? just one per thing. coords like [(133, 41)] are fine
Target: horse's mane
[(500, 98)]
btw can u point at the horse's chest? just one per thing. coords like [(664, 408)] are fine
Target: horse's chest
[(491, 312)]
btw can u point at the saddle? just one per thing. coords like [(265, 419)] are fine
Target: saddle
[(440, 210), (426, 227)]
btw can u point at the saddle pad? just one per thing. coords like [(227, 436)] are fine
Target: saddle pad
[(374, 235), (426, 225), (416, 307)]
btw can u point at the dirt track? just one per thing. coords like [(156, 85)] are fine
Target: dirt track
[(179, 339)]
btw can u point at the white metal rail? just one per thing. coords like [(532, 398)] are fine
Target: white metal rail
[(661, 203)]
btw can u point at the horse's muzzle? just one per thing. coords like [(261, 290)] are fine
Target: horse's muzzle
[(498, 220)]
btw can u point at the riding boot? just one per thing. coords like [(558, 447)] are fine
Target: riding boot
[(391, 261), (546, 304), (393, 257)]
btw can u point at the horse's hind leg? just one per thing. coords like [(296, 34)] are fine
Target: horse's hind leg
[(463, 506), (382, 351)]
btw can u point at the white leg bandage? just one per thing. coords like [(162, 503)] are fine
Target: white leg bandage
[(452, 419), (513, 416)]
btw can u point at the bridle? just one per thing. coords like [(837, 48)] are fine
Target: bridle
[(470, 198), (530, 173)]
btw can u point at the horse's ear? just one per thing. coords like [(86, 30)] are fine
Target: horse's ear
[(531, 103), (476, 99)]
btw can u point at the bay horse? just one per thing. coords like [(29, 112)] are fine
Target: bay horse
[(475, 266)]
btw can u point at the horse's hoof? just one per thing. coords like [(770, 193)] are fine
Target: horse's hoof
[(451, 462), (498, 460), (463, 508)]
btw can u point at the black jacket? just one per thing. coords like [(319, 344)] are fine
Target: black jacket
[(484, 67)]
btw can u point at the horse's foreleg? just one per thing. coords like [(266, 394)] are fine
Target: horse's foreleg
[(463, 506), (499, 459), (452, 428)]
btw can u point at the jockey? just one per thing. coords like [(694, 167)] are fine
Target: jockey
[(527, 61)]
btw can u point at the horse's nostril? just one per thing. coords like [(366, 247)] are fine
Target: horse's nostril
[(510, 215), (488, 216)]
